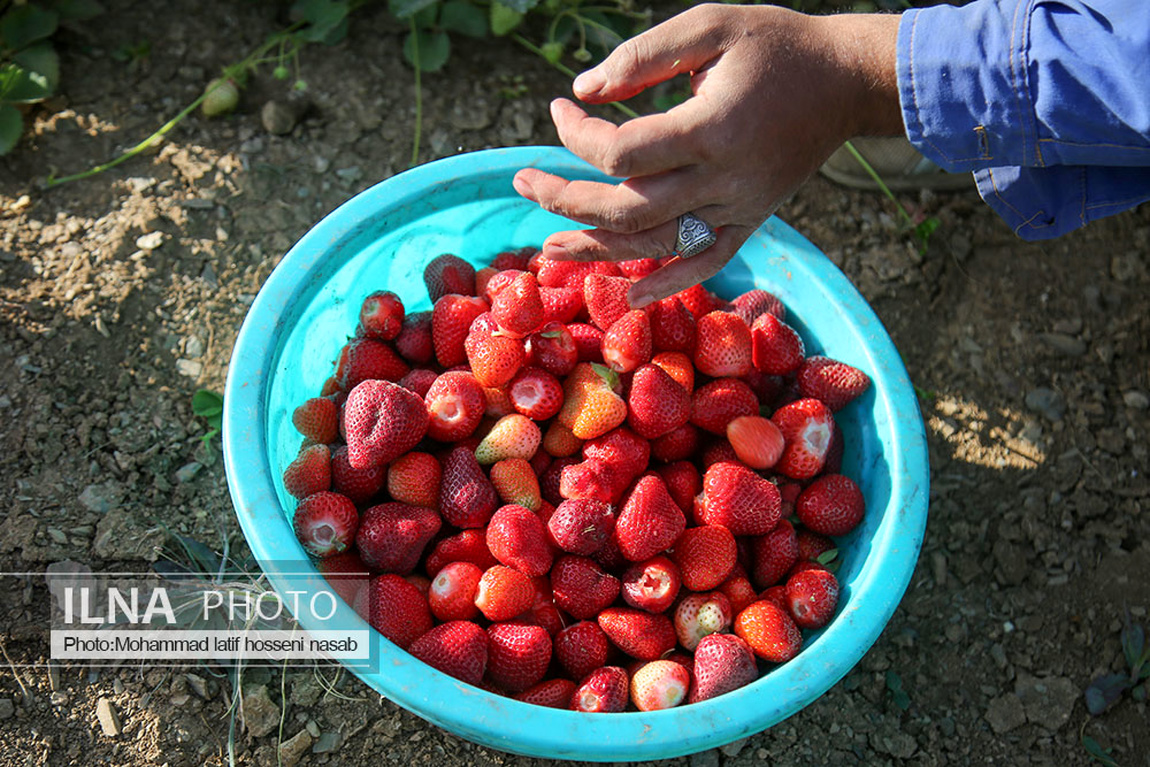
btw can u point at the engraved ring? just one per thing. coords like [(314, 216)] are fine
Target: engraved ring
[(694, 236)]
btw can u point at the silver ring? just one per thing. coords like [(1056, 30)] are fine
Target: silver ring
[(694, 236)]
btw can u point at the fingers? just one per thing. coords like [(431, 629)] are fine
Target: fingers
[(683, 273), (606, 245)]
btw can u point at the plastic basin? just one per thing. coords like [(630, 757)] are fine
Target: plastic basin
[(382, 238)]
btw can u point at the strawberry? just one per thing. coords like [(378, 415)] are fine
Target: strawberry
[(719, 451), (345, 573), (448, 274), (392, 536), (610, 557), (621, 448), (317, 419), (637, 632), (657, 404), (466, 496), (382, 421), (811, 598), (807, 426), (593, 479), (705, 556), (766, 387), (831, 505), (683, 483), (414, 342), (773, 555), (811, 545), (360, 485), (776, 347), (483, 281), (739, 592), (650, 521), (380, 316), (551, 480), (673, 327), (503, 593), (605, 690), (738, 499), (588, 341), (418, 380), (756, 441), (581, 526), (723, 345), (677, 445), (518, 538), (395, 608), (591, 404), (496, 282), (414, 478), (498, 403), (717, 403), (458, 648), (553, 349), (514, 259), (769, 631), (559, 442), (651, 585), (605, 299), (455, 406), (464, 546), (536, 393), (659, 685), (451, 596), (494, 355), (754, 303), (723, 663), (571, 274), (517, 655), (309, 473), (512, 436), (638, 268), (516, 483), (518, 307), (451, 319), (699, 301), (679, 366), (552, 693), (561, 305), (366, 359), (581, 587), (627, 343), (581, 648), (325, 523), (699, 615), (835, 383)]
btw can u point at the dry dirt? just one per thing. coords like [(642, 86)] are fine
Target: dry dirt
[(122, 295)]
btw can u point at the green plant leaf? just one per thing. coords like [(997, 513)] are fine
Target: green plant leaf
[(207, 403), (1105, 691), (402, 9), (464, 18), (503, 18), (519, 6), (1097, 752), (326, 19), (41, 59), (20, 85), (23, 25), (11, 126), (552, 51), (434, 50), (77, 10)]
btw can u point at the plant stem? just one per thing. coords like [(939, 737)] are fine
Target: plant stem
[(418, 94), (565, 70), (881, 184)]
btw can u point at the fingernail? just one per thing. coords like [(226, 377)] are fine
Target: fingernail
[(589, 83), (639, 299), (554, 251), (523, 187)]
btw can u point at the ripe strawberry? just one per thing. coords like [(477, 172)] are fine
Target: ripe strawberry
[(738, 499), (683, 483), (588, 341), (705, 556), (677, 445), (723, 662), (543, 611), (395, 608), (452, 593), (766, 387), (659, 685), (811, 598), (553, 349), (448, 274), (418, 380), (581, 648), (769, 630), (360, 485), (638, 633), (458, 648), (723, 345), (414, 342), (657, 404), (382, 421), (512, 436), (672, 326), (483, 279), (753, 303), (536, 393), (561, 305), (317, 419), (773, 555), (503, 593), (756, 441), (464, 546), (325, 523), (518, 538), (700, 301), (650, 521), (517, 655), (835, 383), (345, 573), (717, 403), (466, 496), (309, 473), (380, 316), (679, 366), (593, 479), (807, 426), (638, 268), (627, 343), (414, 478), (581, 526), (518, 307), (552, 693), (700, 615), (366, 359), (451, 319), (610, 557), (514, 259), (831, 505), (739, 592), (392, 536), (498, 403), (591, 404), (494, 356), (559, 442), (551, 480), (811, 545), (581, 587), (603, 691), (622, 448), (776, 346), (651, 585), (719, 450), (497, 282), (421, 582), (606, 299), (455, 406), (516, 483), (570, 274)]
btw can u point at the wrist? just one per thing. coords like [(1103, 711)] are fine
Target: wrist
[(863, 58)]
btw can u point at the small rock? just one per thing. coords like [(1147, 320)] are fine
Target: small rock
[(1136, 399), (150, 241), (189, 368), (1005, 713), (350, 174), (293, 750), (261, 715), (7, 709), (327, 743), (102, 498), (1048, 402), (470, 114), (208, 275), (59, 698), (280, 117), (193, 348), (1064, 344), (188, 471), (895, 742), (320, 164), (732, 749), (709, 758), (199, 686), (1047, 701), (108, 718), (58, 535), (120, 536)]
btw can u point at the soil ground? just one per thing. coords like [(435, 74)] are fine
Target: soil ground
[(122, 295)]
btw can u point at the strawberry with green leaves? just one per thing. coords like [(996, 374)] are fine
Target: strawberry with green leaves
[(592, 405)]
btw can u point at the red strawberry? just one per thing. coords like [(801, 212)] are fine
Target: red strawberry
[(811, 545), (811, 598), (637, 632), (716, 404), (518, 307), (414, 478), (448, 274), (496, 282), (414, 342), (777, 348), (518, 538), (455, 406), (380, 316), (739, 500), (650, 520), (553, 693), (835, 383), (610, 557), (365, 359), (464, 546), (723, 345), (325, 523), (622, 448), (458, 648), (769, 630), (516, 483), (395, 608), (593, 479), (582, 588), (483, 279), (588, 341), (679, 366), (561, 305), (699, 301), (452, 592), (345, 573), (551, 480), (605, 299), (739, 592), (657, 404), (719, 451), (451, 319), (627, 343), (700, 615), (753, 303), (605, 690), (553, 349), (677, 445), (514, 259), (360, 485), (756, 441), (591, 404), (659, 685), (494, 356), (766, 387), (498, 403), (773, 555), (673, 327), (418, 380), (512, 436), (723, 663), (638, 268), (831, 505), (570, 274), (382, 421), (317, 419), (466, 496), (581, 526), (807, 426), (309, 473), (536, 393), (651, 585), (581, 648), (683, 483), (503, 593), (705, 556), (517, 655), (559, 442), (392, 536)]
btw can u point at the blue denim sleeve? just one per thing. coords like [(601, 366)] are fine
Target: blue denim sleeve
[(1047, 101)]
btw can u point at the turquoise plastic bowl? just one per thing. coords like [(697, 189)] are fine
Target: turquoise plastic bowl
[(465, 205)]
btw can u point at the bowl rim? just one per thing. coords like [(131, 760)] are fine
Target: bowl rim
[(501, 722)]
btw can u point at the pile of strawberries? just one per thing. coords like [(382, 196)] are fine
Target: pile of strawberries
[(556, 497)]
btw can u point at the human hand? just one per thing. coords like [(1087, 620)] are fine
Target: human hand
[(774, 93)]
